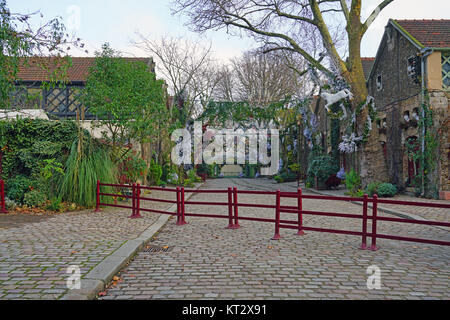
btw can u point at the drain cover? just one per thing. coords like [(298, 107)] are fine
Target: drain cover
[(153, 249)]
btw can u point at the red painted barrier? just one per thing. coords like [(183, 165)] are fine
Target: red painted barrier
[(277, 217), (364, 224), (300, 213), (233, 216), (2, 197)]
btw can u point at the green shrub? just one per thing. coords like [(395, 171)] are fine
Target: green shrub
[(82, 170), (353, 183), (34, 198), (54, 205), (188, 183), (193, 176), (285, 176), (203, 169), (278, 178), (17, 187), (322, 167), (134, 168), (295, 167), (29, 143), (155, 173), (372, 188), (386, 190)]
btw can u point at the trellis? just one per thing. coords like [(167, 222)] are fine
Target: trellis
[(59, 102), (64, 102), (445, 59)]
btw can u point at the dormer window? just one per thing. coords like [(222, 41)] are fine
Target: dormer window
[(379, 83)]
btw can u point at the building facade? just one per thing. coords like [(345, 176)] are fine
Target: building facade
[(412, 62)]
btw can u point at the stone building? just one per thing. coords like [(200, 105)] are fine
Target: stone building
[(413, 57)]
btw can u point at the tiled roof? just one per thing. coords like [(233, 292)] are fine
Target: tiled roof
[(367, 64), (429, 33), (78, 72)]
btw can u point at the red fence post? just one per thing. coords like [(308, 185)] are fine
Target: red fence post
[(97, 206), (235, 200), (364, 224), (300, 214), (374, 247), (133, 201), (137, 214), (230, 208), (2, 197), (178, 206), (277, 218), (183, 207)]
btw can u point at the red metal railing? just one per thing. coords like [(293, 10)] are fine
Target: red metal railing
[(233, 217), (2, 197)]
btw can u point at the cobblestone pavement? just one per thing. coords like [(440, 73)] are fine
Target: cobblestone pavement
[(428, 213), (35, 253), (207, 261)]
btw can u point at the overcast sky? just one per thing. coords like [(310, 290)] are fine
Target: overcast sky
[(116, 21)]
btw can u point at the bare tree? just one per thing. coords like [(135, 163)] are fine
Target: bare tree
[(261, 78), (266, 78), (187, 67), (290, 25), (226, 86)]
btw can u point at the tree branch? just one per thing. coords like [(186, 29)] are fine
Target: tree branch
[(291, 16), (345, 10), (326, 37), (374, 15), (248, 26)]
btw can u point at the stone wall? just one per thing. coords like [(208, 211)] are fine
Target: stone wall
[(383, 157), (391, 64), (440, 102)]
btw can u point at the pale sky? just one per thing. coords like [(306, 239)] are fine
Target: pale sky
[(116, 21)]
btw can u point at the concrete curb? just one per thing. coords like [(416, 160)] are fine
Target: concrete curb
[(98, 278)]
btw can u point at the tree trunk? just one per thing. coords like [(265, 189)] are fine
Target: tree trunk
[(146, 156)]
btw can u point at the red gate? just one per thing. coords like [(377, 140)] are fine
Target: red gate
[(233, 217)]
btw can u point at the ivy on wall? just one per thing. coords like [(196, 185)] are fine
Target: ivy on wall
[(429, 157)]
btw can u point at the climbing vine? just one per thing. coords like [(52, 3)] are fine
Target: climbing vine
[(429, 156)]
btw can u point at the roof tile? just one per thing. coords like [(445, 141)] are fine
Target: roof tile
[(430, 33), (78, 72)]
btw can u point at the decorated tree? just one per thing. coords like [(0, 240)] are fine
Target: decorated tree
[(326, 33)]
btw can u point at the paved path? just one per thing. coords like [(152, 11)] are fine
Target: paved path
[(36, 251), (428, 213), (204, 260)]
